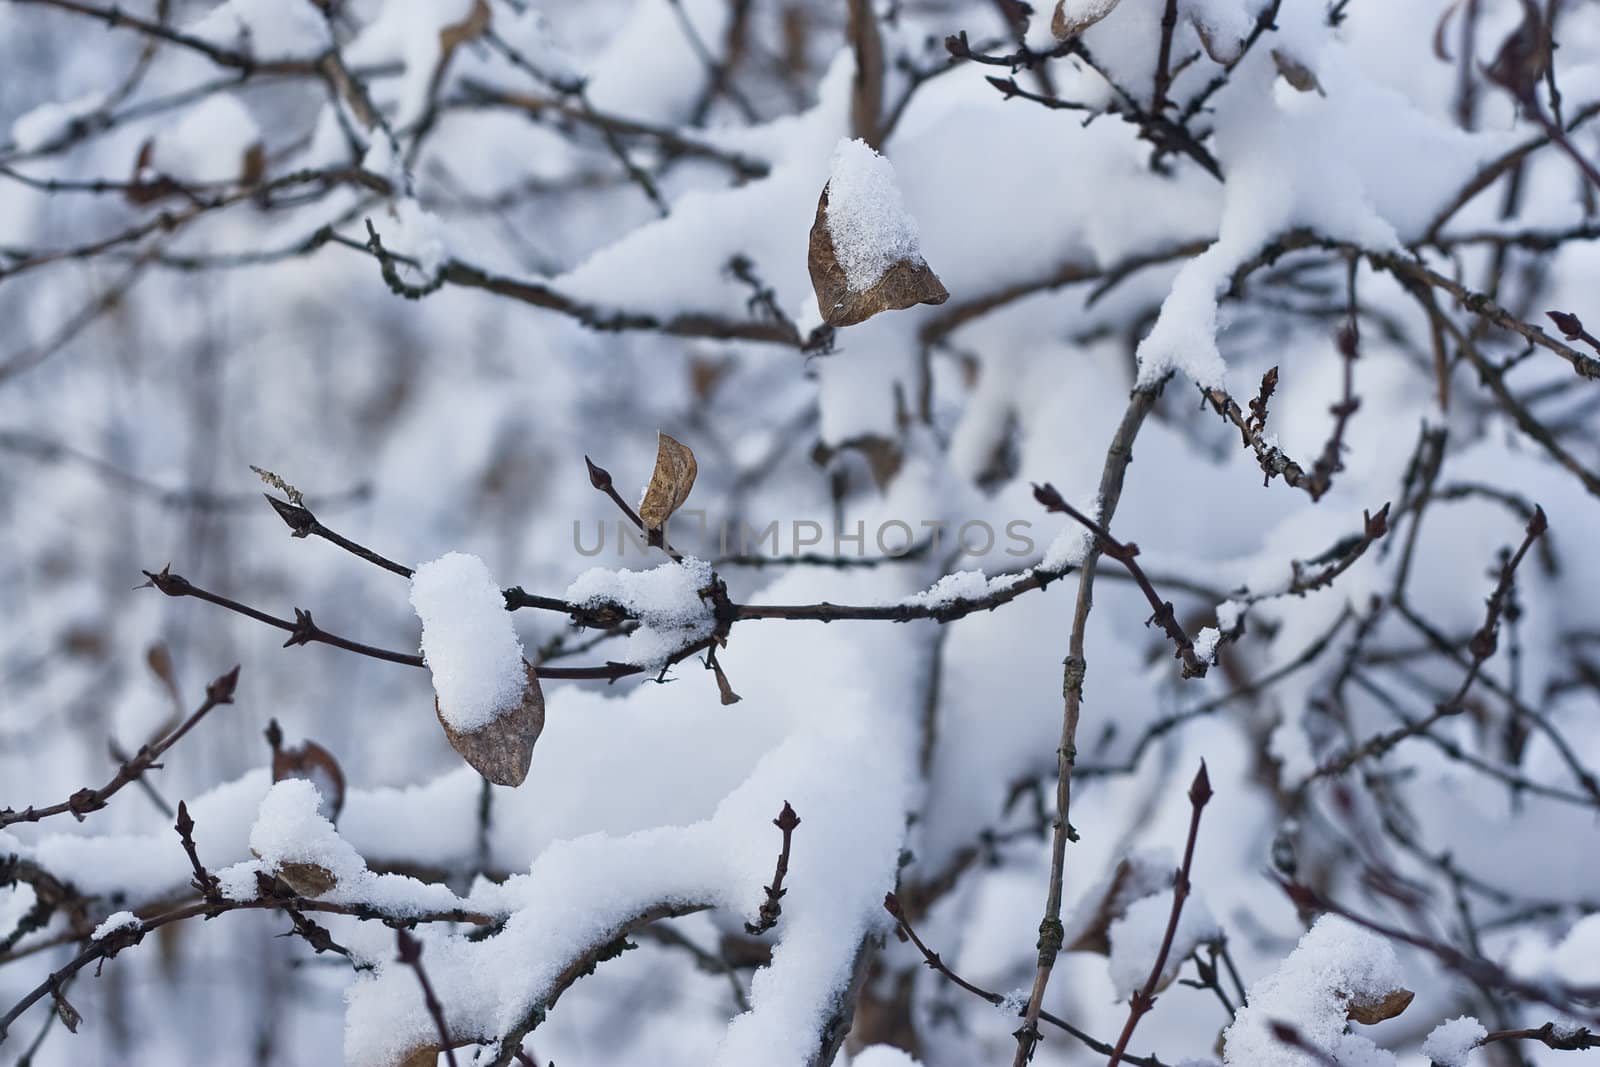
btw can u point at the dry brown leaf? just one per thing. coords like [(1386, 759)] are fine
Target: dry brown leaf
[(1296, 73), (317, 765), (307, 879), (1064, 25), (503, 750), (426, 1056), (1370, 1010), (670, 482), (905, 284)]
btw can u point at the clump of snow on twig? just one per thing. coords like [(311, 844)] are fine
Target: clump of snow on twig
[(1451, 1041), (666, 600), (1334, 962), (117, 921), (468, 641)]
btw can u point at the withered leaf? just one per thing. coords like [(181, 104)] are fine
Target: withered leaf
[(503, 750), (296, 497), (1369, 1010), (426, 1056), (1066, 23), (317, 765), (670, 482), (905, 284), (307, 879), (67, 1014), (1296, 73)]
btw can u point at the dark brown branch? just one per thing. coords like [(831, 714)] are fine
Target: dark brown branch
[(1482, 646), (410, 954), (1051, 933), (1571, 1039), (1163, 613), (892, 905), (303, 630), (87, 800), (1145, 999), (772, 907)]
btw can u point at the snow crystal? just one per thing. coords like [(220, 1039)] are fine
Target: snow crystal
[(117, 921), (34, 129), (1136, 939), (265, 29), (665, 600), (1451, 1041), (867, 218), (1335, 961), (468, 641), (1205, 642)]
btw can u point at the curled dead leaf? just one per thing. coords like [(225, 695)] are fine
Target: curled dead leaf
[(905, 284), (1072, 17), (503, 750), (1296, 73), (670, 482), (426, 1056), (307, 879), (1369, 1010)]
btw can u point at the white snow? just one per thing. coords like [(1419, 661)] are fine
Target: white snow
[(290, 830), (208, 143), (1334, 962), (408, 31), (265, 29), (1085, 12), (1136, 939), (884, 1056), (468, 640), (34, 129), (666, 600), (120, 920), (1450, 1042), (962, 586), (867, 217)]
